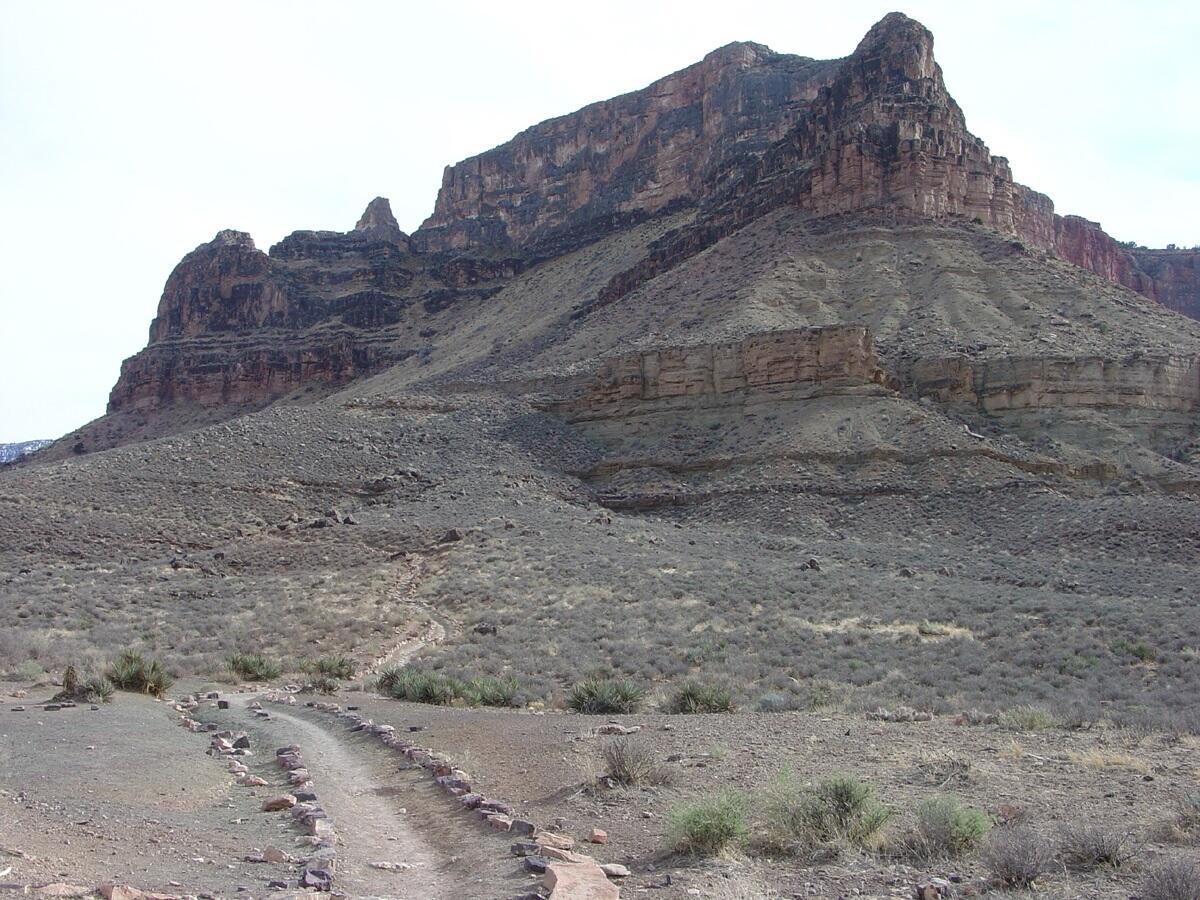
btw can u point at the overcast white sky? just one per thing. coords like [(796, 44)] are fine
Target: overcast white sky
[(131, 132)]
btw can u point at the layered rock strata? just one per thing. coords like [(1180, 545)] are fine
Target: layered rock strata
[(773, 361), (1164, 384), (240, 327), (638, 153)]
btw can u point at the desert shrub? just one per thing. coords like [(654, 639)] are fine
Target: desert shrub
[(96, 689), (605, 695), (324, 684), (1082, 846), (631, 762), (489, 690), (777, 701), (1183, 827), (837, 808), (710, 825), (947, 828), (419, 686), (1017, 856), (1171, 879), (253, 667), (1026, 718), (1139, 650), (695, 697), (92, 689), (133, 672), (341, 667)]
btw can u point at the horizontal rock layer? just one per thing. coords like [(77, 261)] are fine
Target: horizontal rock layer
[(1169, 383), (771, 361)]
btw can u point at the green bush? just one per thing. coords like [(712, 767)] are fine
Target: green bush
[(709, 826), (341, 667), (419, 686), (946, 828), (253, 667), (96, 689), (491, 691), (132, 672), (695, 697), (598, 696), (324, 684), (835, 809)]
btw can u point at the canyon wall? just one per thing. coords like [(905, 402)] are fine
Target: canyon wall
[(629, 156)]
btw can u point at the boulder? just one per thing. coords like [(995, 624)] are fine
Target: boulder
[(578, 881)]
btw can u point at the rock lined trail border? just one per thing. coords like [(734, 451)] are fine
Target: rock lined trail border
[(567, 874)]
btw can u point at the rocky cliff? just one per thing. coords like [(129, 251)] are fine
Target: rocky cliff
[(726, 141), (632, 156), (240, 327)]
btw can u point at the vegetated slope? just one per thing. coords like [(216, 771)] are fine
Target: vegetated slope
[(625, 445)]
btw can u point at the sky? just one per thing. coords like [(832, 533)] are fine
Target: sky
[(131, 131)]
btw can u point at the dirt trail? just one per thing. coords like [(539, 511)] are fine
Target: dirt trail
[(432, 632), (368, 809)]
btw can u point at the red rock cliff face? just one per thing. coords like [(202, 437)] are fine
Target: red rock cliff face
[(629, 156), (239, 327)]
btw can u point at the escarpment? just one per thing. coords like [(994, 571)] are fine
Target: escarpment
[(695, 158)]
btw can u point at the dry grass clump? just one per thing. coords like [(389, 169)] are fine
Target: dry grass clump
[(711, 825), (1097, 758), (132, 672), (1083, 847), (1027, 718), (1183, 827), (835, 810), (1176, 878), (630, 762), (1017, 856)]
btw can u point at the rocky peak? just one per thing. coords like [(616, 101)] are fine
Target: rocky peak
[(378, 222), (229, 238)]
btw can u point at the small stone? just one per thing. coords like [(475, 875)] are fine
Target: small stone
[(551, 839), (500, 822), (598, 836), (615, 870), (275, 855), (275, 804), (253, 781)]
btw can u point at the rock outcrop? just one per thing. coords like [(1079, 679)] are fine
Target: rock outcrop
[(632, 156), (1163, 384), (239, 327), (773, 361)]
